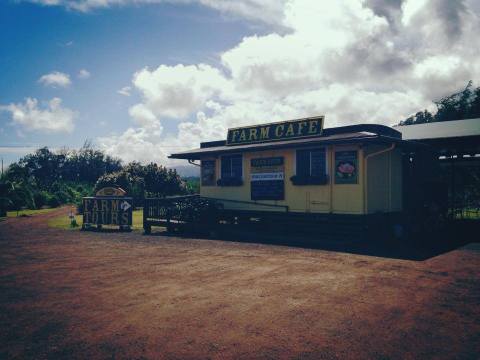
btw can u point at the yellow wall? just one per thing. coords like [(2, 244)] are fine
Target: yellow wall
[(329, 198)]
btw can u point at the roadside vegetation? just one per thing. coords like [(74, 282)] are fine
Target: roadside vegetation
[(48, 179), (28, 212)]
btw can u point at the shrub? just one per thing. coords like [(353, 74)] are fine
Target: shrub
[(54, 201), (41, 198), (63, 197)]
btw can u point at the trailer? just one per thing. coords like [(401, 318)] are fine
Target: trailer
[(295, 177)]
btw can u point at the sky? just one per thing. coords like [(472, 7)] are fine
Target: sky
[(142, 79)]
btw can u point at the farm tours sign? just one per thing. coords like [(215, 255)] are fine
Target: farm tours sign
[(286, 130), (107, 210)]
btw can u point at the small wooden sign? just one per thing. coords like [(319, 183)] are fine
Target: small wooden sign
[(346, 167), (285, 130), (111, 191)]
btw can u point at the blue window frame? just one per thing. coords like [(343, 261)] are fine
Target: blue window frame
[(311, 162), (232, 167)]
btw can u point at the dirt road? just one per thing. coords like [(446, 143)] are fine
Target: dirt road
[(79, 295)]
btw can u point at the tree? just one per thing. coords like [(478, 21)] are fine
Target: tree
[(144, 180), (45, 177), (44, 166), (474, 111), (52, 178), (20, 195), (458, 106), (88, 164)]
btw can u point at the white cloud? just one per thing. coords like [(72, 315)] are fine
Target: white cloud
[(125, 91), (411, 8), (53, 117), (440, 75), (177, 91), (20, 150), (145, 118), (352, 60), (20, 133), (83, 74), (55, 79), (134, 145), (268, 11)]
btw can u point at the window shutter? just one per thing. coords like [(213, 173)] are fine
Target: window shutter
[(318, 162), (303, 162), (236, 166), (231, 166), (225, 167)]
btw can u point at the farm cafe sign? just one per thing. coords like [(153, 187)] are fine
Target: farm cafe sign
[(108, 207), (293, 129)]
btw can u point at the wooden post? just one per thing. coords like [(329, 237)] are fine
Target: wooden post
[(147, 229)]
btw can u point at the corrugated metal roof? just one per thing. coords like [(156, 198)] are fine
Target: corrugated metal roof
[(333, 139), (443, 129)]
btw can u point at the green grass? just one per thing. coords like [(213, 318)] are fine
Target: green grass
[(470, 214), (63, 221), (29, 212), (137, 220)]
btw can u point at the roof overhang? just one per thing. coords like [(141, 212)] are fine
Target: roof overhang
[(345, 138)]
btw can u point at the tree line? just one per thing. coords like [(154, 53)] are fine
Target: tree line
[(51, 178), (458, 106)]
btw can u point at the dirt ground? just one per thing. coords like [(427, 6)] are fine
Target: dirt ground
[(82, 295)]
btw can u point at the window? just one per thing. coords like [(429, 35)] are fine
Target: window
[(232, 166), (231, 171), (311, 167), (311, 162), (208, 172)]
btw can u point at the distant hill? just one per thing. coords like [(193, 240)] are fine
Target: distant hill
[(187, 170)]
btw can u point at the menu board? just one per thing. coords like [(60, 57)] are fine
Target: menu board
[(208, 172), (346, 167), (267, 178)]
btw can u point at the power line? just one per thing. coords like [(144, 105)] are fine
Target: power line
[(29, 145)]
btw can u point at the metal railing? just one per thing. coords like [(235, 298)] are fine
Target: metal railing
[(193, 209)]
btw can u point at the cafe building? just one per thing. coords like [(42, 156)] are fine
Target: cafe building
[(299, 171)]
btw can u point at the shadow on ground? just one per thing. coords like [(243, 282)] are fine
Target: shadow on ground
[(417, 248)]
